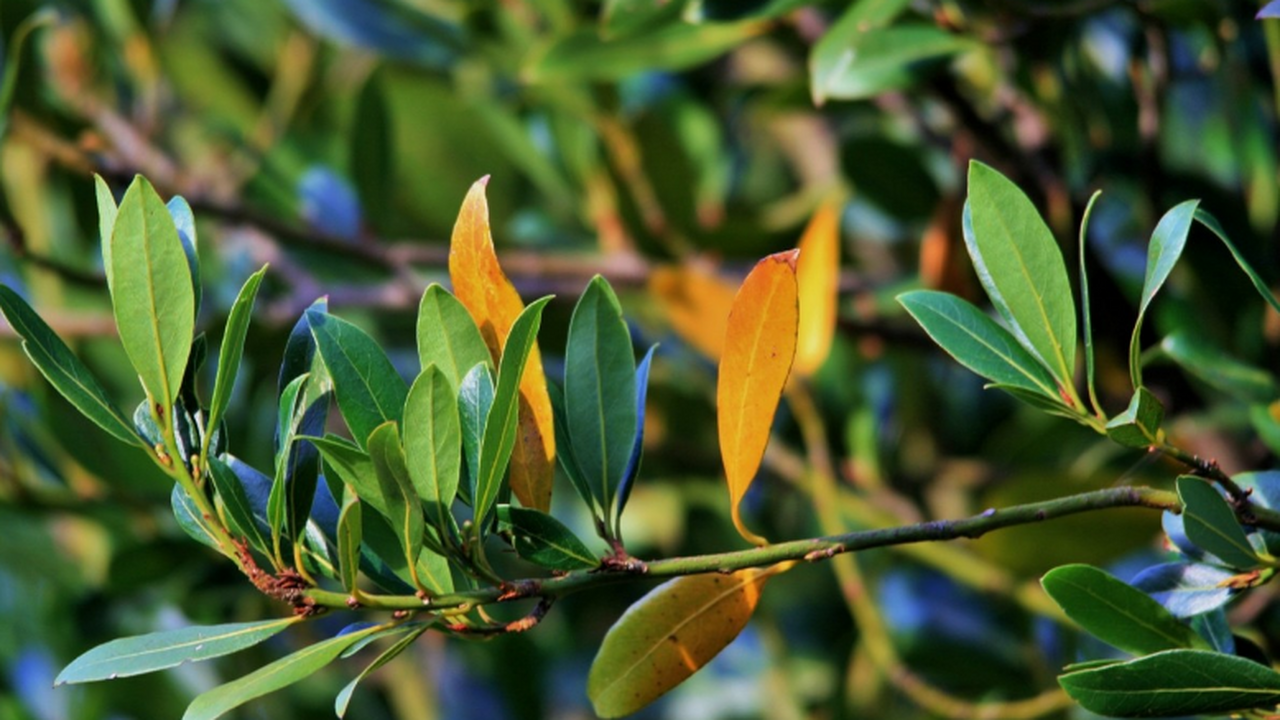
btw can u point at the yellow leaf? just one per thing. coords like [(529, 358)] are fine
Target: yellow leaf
[(482, 287), (818, 277), (759, 346), (697, 304), (668, 635)]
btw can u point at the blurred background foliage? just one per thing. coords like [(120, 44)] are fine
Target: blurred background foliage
[(665, 144)]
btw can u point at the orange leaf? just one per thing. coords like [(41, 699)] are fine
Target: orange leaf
[(482, 287), (697, 304), (818, 277), (759, 346)]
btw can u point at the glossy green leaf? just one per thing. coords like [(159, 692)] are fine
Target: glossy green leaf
[(232, 349), (1167, 242), (977, 342), (1211, 524), (354, 467), (344, 696), (403, 508), (433, 445), (447, 336), (240, 516), (600, 390), (63, 369), (350, 536), (107, 211), (500, 427), (170, 648), (278, 501), (1022, 270), (564, 451), (1217, 369), (1139, 425), (1209, 221), (584, 55), (1115, 612), (475, 399), (1175, 683), (189, 519), (152, 295), (856, 59), (381, 541), (544, 540), (369, 390), (269, 678), (184, 221), (300, 348)]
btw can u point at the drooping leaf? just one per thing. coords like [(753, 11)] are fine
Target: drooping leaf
[(1186, 589), (1211, 222), (1022, 269), (368, 388), (696, 303), (63, 369), (482, 287), (1117, 613), (501, 427), (1174, 683), (977, 342), (147, 653), (447, 336), (184, 221), (475, 399), (1211, 524), (152, 296), (668, 635), (637, 445), (403, 508), (269, 678), (818, 278), (433, 446), (584, 55), (1139, 425), (1167, 242), (600, 390), (544, 540), (241, 518), (392, 652), (350, 536), (759, 346), (232, 349), (1217, 369)]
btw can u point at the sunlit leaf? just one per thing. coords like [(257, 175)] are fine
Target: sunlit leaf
[(368, 388), (170, 648), (232, 349), (392, 652), (447, 336), (1167, 242), (1174, 683), (403, 508), (190, 519), (475, 400), (818, 279), (759, 346), (668, 635), (1186, 589), (350, 536), (433, 446), (184, 221), (1117, 613), (107, 211), (478, 281), (240, 512), (1139, 425), (696, 303)]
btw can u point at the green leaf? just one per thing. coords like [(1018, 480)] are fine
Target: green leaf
[(584, 55), (977, 342), (403, 508), (185, 222), (344, 696), (1117, 613), (350, 535), (277, 503), (235, 500), (232, 350), (544, 540), (189, 519), (1212, 223), (600, 390), (1021, 269), (433, 446), (564, 451), (354, 467), (107, 211), (475, 399), (1218, 369), (1041, 402), (1211, 524), (1139, 425), (1085, 313), (157, 651), (281, 673), (500, 427), (1175, 683), (152, 295), (1167, 242), (63, 369), (447, 336), (624, 17), (369, 390), (855, 60)]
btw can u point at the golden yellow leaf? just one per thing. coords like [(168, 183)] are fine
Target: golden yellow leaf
[(668, 635), (818, 278), (697, 304), (759, 346), (482, 287)]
